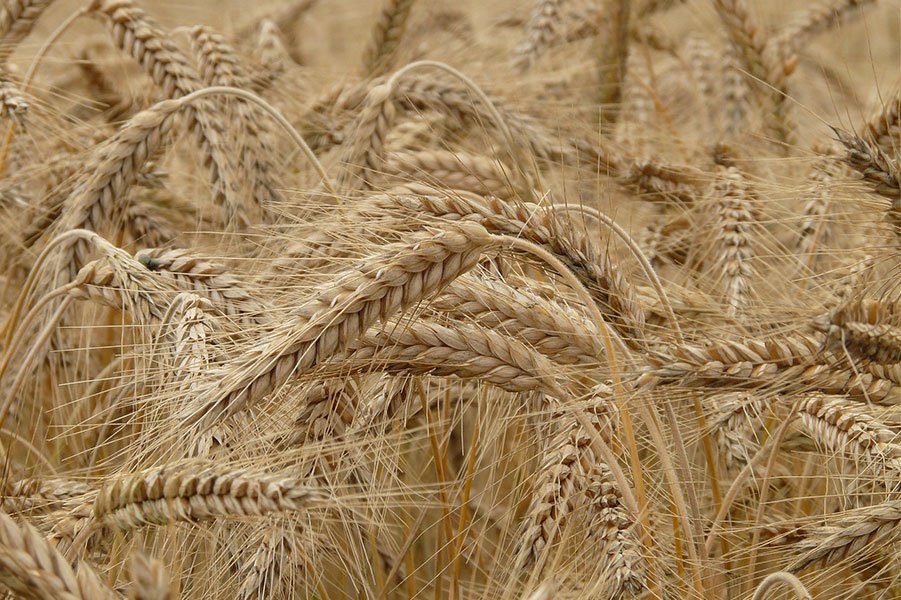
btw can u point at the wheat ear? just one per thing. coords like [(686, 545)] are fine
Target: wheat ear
[(386, 35), (851, 535), (341, 312), (135, 33), (220, 65), (17, 19), (31, 567)]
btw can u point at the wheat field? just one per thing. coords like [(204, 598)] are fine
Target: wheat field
[(396, 299)]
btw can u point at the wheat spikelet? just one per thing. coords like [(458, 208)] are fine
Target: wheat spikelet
[(613, 57), (13, 105), (365, 152), (466, 352), (877, 169), (811, 22), (41, 494), (885, 128), (143, 224), (791, 362), (564, 474), (112, 168), (736, 423), (705, 66), (130, 288), (841, 426), (542, 227), (751, 43), (815, 229), (220, 65), (274, 58), (192, 330), (193, 273), (453, 170), (261, 575), (552, 497)]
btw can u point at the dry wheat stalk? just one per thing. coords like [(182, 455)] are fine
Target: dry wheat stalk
[(733, 252), (32, 568), (149, 580), (386, 36), (194, 491), (342, 311)]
